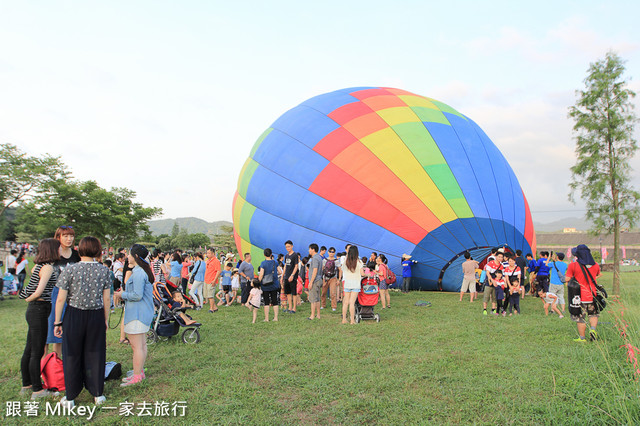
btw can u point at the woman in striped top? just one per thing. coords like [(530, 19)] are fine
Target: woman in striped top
[(38, 294)]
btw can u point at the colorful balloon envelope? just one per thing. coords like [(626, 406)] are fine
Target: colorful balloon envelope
[(389, 171)]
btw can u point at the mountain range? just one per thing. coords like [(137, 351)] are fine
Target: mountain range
[(193, 225), (580, 224)]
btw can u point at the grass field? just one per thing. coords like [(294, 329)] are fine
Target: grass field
[(442, 364)]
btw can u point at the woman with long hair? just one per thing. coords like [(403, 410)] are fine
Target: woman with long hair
[(138, 313), (38, 294), (85, 288), (21, 269), (176, 269), (352, 273), (198, 271), (383, 271), (68, 255)]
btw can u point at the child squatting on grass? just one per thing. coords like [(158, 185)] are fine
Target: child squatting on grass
[(549, 299), (255, 296)]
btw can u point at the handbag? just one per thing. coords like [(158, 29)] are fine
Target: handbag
[(193, 276)]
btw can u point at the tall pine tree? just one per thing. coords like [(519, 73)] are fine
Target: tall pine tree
[(603, 129)]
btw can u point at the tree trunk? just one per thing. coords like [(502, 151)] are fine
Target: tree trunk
[(616, 256)]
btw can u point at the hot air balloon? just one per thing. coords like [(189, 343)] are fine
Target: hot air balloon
[(386, 170)]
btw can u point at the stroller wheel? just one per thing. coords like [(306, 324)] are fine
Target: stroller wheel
[(152, 337), (358, 318), (191, 336), (377, 317)]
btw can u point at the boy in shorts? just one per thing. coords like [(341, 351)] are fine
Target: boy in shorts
[(549, 299)]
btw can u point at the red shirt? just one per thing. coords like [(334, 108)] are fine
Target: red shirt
[(574, 270), (212, 271)]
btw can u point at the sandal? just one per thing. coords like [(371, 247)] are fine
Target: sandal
[(125, 341)]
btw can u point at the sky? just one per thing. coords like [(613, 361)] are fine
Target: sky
[(167, 98)]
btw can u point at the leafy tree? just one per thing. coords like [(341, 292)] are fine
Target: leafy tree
[(22, 176), (110, 215), (199, 240), (224, 240), (175, 231), (604, 123)]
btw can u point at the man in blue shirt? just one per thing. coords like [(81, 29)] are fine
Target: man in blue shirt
[(530, 287), (557, 272), (406, 272), (542, 271)]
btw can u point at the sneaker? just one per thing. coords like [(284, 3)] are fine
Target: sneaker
[(593, 335), (25, 390), (99, 400), (484, 312), (64, 402), (333, 309), (135, 379), (504, 314), (579, 340), (42, 394), (321, 307), (130, 375)]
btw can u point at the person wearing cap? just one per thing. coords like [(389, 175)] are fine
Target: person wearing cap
[(406, 272), (138, 313), (86, 289), (586, 271)]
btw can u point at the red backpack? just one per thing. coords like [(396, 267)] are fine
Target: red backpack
[(52, 372), (391, 277)]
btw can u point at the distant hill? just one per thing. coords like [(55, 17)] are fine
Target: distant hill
[(193, 225), (559, 225)]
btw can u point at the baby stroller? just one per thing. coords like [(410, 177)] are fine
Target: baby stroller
[(167, 321), (171, 287), (367, 299)]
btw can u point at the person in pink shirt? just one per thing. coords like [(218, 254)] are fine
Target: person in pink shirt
[(255, 297)]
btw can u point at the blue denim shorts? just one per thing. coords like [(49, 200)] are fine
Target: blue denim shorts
[(352, 290)]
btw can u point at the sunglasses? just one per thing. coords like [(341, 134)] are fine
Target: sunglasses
[(66, 227), (332, 251)]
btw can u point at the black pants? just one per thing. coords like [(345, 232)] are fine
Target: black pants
[(84, 347), (505, 304), (245, 288), (515, 303), (185, 281), (500, 305), (37, 318)]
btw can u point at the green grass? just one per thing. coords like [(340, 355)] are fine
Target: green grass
[(442, 364)]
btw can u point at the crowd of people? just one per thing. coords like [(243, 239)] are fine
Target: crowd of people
[(507, 277), (71, 294)]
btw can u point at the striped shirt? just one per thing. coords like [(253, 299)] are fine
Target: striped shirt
[(157, 270), (30, 288)]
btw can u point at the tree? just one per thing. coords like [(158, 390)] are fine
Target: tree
[(604, 123), (199, 240), (110, 215), (224, 240), (175, 231), (22, 176)]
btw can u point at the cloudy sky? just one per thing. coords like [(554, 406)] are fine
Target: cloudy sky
[(167, 98)]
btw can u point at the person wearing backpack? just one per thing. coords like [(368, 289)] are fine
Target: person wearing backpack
[(330, 279), (383, 273), (586, 271), (268, 276)]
